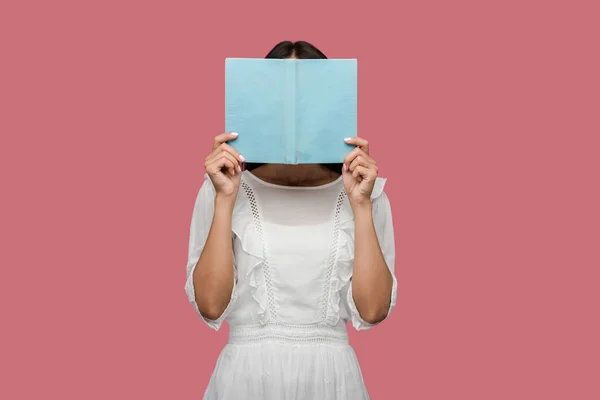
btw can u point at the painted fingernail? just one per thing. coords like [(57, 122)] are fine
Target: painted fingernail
[(234, 133), (347, 139), (239, 168), (241, 157), (344, 167)]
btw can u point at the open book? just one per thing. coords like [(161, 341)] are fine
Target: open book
[(290, 111)]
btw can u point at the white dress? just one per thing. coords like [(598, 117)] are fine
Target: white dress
[(293, 249)]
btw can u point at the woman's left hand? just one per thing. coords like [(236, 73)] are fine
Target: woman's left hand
[(359, 173)]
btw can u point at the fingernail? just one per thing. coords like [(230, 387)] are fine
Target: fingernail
[(241, 157), (344, 167), (234, 133), (347, 139), (239, 168)]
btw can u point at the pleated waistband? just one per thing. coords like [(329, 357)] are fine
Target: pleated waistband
[(288, 333)]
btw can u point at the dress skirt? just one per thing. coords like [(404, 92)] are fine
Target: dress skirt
[(287, 363)]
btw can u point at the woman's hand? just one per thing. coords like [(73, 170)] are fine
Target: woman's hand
[(223, 166), (359, 173)]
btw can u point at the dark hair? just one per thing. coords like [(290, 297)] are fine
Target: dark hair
[(300, 50)]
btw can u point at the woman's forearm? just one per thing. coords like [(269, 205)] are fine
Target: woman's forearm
[(371, 278), (213, 275)]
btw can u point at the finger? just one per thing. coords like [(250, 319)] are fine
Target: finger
[(222, 138), (228, 165), (218, 164), (356, 152), (232, 151), (225, 147), (351, 156), (356, 175), (365, 173), (360, 142), (367, 156), (359, 160), (225, 155)]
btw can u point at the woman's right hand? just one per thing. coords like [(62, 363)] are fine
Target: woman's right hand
[(223, 166)]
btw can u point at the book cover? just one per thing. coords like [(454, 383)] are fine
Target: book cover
[(290, 111)]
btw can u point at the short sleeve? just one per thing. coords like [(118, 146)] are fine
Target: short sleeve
[(384, 228), (202, 217)]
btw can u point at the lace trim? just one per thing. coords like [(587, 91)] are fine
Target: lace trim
[(268, 313), (284, 332), (331, 274)]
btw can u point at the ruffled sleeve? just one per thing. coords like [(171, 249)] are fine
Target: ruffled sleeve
[(202, 217), (382, 219)]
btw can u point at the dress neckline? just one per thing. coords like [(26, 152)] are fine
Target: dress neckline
[(275, 185)]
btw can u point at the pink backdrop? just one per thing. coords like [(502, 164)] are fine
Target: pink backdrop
[(484, 115)]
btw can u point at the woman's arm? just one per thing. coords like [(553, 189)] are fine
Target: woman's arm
[(213, 275), (371, 277), (372, 288)]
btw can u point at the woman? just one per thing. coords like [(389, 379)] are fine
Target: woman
[(288, 254)]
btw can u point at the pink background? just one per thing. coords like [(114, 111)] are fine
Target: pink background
[(484, 115)]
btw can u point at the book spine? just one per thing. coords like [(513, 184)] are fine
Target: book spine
[(289, 111)]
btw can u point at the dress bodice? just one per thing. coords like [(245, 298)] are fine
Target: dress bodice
[(293, 250)]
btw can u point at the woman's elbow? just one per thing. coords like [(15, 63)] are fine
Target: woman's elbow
[(212, 315), (210, 310), (376, 316)]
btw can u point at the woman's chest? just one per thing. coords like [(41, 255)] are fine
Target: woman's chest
[(298, 249)]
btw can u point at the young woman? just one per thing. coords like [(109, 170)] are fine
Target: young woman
[(288, 254)]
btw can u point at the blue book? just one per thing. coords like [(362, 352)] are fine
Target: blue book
[(290, 111)]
